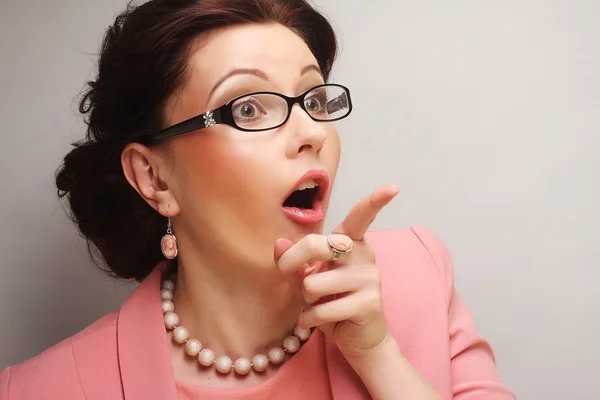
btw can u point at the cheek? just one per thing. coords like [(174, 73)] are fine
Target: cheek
[(226, 190), (222, 172)]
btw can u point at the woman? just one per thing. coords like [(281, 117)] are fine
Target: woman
[(206, 175)]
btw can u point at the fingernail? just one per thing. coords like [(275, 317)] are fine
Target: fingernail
[(309, 269)]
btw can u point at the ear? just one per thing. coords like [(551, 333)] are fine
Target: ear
[(142, 167)]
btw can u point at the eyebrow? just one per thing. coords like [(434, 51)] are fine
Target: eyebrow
[(258, 73), (311, 67)]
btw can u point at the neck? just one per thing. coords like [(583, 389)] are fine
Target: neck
[(237, 312)]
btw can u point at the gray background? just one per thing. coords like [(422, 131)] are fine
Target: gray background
[(485, 113)]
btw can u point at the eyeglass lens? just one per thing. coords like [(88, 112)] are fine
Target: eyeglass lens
[(266, 110)]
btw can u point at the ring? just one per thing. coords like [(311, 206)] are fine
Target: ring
[(339, 244)]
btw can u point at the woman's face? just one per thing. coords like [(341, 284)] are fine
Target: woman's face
[(231, 185)]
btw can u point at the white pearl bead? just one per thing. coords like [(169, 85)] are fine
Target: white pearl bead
[(169, 285), (260, 363), (223, 364), (167, 306), (206, 357), (302, 334), (180, 334), (291, 344), (171, 320), (276, 355), (193, 347), (242, 366), (166, 294)]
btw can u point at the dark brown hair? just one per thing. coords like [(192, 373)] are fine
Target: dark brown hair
[(142, 63)]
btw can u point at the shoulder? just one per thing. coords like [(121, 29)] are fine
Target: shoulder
[(415, 255), (413, 242), (58, 371), (416, 288)]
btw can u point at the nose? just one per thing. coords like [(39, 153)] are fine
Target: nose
[(307, 135)]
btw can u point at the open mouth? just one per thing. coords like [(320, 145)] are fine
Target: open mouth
[(305, 197), (304, 204)]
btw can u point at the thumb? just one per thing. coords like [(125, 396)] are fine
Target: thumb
[(281, 246)]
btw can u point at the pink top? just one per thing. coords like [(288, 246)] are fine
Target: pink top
[(125, 355), (303, 377)]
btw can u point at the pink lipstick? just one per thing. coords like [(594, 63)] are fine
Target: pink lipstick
[(316, 213)]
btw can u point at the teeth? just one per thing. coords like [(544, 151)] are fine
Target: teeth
[(310, 184)]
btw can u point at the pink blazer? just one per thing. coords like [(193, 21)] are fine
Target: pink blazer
[(124, 355)]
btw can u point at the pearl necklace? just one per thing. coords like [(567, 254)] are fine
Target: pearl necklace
[(207, 358)]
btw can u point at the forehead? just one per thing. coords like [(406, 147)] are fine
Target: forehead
[(271, 48)]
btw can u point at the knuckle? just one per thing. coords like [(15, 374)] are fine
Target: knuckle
[(373, 302), (373, 200), (366, 251), (313, 241), (375, 275)]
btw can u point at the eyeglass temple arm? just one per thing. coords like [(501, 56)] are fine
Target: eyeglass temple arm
[(338, 103), (208, 119)]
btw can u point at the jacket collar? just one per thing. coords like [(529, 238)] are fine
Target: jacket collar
[(145, 362), (144, 359)]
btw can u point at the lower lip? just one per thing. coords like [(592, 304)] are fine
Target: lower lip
[(306, 216)]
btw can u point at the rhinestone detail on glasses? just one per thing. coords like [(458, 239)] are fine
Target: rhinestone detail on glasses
[(209, 120)]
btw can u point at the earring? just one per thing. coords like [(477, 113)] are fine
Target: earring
[(168, 243)]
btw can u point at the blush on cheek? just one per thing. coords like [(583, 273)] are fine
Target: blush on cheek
[(226, 172), (204, 156)]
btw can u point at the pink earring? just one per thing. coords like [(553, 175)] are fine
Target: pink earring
[(168, 243)]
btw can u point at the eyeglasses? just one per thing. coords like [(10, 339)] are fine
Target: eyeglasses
[(262, 111)]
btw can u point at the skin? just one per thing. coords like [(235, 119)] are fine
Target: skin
[(247, 273)]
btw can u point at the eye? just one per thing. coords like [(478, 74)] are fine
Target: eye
[(314, 104), (247, 109)]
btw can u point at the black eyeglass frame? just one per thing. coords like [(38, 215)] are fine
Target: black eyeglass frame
[(224, 115)]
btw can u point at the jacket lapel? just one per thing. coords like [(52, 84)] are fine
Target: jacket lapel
[(144, 359), (145, 362)]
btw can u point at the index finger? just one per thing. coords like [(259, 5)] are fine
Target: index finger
[(358, 220)]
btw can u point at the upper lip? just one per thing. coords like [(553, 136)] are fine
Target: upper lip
[(320, 176)]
